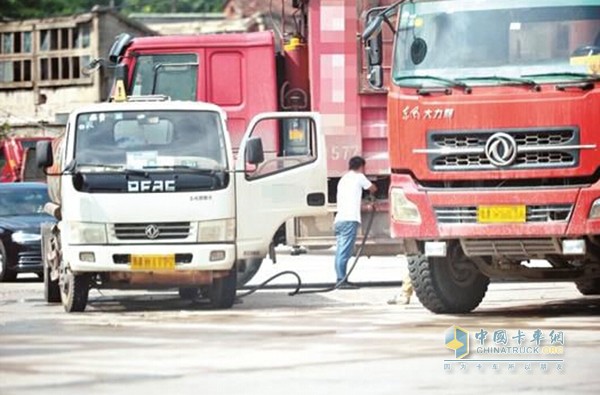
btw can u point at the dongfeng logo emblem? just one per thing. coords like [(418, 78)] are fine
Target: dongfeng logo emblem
[(501, 150), (152, 232)]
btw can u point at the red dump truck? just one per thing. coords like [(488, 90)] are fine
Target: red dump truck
[(479, 125), (17, 157)]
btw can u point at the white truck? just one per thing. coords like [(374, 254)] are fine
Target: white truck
[(147, 195)]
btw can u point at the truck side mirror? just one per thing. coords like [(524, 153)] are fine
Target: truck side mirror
[(255, 155), (43, 154)]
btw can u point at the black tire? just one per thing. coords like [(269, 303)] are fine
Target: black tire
[(189, 293), (222, 291), (444, 288), (51, 287), (6, 274), (74, 291), (250, 268), (589, 286)]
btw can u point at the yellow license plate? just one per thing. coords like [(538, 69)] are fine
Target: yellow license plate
[(153, 262), (502, 214)]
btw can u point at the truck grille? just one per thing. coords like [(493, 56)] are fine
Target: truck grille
[(152, 231), (548, 148), (468, 215), (521, 248)]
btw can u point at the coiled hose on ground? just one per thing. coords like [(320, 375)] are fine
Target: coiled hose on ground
[(298, 290)]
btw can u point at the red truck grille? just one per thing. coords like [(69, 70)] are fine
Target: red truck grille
[(491, 149), (468, 215)]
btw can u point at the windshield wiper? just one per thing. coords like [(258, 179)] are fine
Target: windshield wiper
[(585, 76), (448, 81), (508, 80)]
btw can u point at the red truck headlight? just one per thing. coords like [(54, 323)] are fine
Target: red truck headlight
[(403, 210)]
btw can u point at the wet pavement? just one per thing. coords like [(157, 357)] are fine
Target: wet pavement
[(342, 342)]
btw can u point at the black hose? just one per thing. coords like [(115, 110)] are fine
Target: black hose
[(298, 290)]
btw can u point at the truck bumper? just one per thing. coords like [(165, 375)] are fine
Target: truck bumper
[(577, 223), (116, 258)]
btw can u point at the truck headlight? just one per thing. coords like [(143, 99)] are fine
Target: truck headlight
[(218, 231), (595, 210), (24, 237), (87, 233), (403, 210)]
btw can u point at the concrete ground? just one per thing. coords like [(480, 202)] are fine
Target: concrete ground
[(345, 342)]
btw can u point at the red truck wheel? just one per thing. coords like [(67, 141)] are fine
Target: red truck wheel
[(451, 285)]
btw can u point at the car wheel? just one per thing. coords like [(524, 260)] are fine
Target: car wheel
[(74, 290), (450, 285), (222, 291), (6, 274)]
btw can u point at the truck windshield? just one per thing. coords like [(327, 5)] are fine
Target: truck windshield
[(173, 75), (541, 39), (150, 140)]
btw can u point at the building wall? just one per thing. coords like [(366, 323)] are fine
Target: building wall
[(56, 84)]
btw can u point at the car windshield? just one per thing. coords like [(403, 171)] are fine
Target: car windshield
[(22, 201), (150, 139), (503, 38)]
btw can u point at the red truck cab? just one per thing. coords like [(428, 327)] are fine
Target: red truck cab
[(493, 114), (17, 157)]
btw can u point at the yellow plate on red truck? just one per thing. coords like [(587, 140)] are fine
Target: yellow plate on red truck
[(153, 262), (501, 214)]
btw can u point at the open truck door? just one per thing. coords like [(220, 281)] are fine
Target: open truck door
[(281, 173)]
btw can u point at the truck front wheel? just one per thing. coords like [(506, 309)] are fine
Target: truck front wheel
[(450, 285), (74, 290), (589, 286), (222, 291)]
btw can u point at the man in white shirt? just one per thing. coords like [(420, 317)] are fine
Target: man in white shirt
[(347, 220)]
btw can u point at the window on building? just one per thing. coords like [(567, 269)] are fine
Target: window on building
[(65, 38), (15, 43), (15, 71), (56, 59)]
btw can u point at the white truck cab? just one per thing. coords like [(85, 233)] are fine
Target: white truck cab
[(147, 194)]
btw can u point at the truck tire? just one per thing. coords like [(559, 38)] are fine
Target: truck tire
[(189, 293), (6, 274), (74, 291), (589, 286), (222, 291), (251, 267), (447, 285), (51, 287)]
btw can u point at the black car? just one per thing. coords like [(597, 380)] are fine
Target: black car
[(21, 215)]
